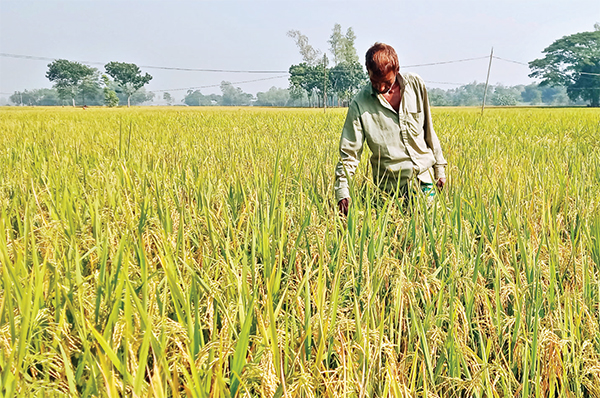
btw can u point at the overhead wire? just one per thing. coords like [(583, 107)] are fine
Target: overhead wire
[(510, 60), (526, 64), (185, 69), (218, 85), (6, 55), (444, 62)]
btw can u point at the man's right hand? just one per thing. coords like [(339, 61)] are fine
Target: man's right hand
[(343, 207)]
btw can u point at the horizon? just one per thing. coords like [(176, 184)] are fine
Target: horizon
[(244, 35)]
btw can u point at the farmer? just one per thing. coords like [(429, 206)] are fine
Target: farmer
[(392, 115)]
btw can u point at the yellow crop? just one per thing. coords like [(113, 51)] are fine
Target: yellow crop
[(198, 252)]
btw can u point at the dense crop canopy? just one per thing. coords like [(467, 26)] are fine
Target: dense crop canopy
[(161, 252)]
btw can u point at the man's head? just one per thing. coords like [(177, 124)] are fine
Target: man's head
[(383, 67)]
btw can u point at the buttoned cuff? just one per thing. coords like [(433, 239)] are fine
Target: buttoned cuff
[(439, 171), (342, 193)]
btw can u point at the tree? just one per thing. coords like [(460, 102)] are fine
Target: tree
[(36, 97), (312, 76), (309, 55), (196, 98), (573, 62), (506, 96), (274, 97), (306, 78), (342, 46), (128, 76), (347, 78), (139, 97), (438, 97), (168, 98), (468, 95), (349, 54), (532, 94), (68, 76), (89, 86), (110, 96), (234, 96), (336, 43)]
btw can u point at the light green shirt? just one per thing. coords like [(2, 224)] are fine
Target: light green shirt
[(402, 143)]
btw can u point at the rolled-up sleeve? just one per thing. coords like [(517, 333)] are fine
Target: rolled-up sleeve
[(351, 146), (431, 138)]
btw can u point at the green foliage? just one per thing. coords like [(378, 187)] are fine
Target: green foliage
[(140, 97), (110, 98), (439, 97), (469, 95), (472, 95), (347, 79), (69, 77), (574, 62), (273, 97), (89, 87), (312, 76), (506, 96), (310, 55), (128, 76), (231, 96), (532, 94), (309, 79), (196, 98), (234, 96), (36, 97), (168, 98), (198, 252), (342, 46)]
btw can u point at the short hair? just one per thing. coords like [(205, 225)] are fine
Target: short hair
[(382, 59)]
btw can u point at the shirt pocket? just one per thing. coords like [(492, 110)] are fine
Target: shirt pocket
[(415, 122)]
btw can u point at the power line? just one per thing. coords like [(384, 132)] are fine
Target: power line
[(451, 83), (148, 66), (523, 63), (37, 58), (445, 62), (510, 60), (217, 85)]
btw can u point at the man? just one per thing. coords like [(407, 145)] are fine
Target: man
[(392, 115)]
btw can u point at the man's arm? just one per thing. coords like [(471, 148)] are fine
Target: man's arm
[(431, 138), (351, 146)]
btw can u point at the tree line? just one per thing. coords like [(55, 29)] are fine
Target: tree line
[(467, 95), (313, 80), (82, 84), (499, 95), (569, 73)]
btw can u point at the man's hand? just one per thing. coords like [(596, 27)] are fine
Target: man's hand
[(343, 207), (440, 183)]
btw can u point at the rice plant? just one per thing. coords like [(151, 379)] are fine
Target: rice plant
[(168, 252)]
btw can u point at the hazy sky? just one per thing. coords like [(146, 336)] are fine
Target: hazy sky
[(251, 35)]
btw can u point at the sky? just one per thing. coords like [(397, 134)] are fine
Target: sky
[(251, 35)]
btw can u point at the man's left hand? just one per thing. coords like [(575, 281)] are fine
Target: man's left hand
[(440, 183)]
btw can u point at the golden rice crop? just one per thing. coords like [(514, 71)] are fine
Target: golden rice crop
[(168, 252)]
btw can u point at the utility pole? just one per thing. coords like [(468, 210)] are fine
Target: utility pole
[(324, 82), (487, 80)]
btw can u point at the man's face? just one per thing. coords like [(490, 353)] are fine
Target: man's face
[(383, 84)]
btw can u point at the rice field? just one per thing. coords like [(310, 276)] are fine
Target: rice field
[(171, 252)]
